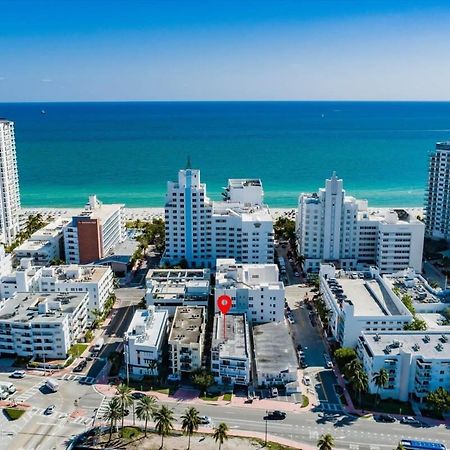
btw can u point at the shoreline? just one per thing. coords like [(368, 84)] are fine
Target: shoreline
[(149, 213)]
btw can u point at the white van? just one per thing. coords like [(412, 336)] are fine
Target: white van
[(99, 345), (52, 385), (8, 387)]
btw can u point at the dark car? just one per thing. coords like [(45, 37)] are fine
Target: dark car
[(276, 415), (385, 418), (80, 367), (138, 395)]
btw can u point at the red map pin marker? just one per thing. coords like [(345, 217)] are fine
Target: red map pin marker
[(224, 303)]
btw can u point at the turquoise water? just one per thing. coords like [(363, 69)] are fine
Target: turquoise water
[(126, 152)]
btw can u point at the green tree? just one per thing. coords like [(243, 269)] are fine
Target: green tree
[(343, 356), (416, 325), (221, 433), (407, 301), (191, 422), (400, 446), (153, 366), (98, 315), (351, 367), (125, 398), (112, 414), (325, 442), (439, 401), (380, 379), (163, 422), (203, 379), (360, 383), (145, 409)]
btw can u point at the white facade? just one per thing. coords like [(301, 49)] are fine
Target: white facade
[(44, 245), (144, 340), (169, 288), (358, 305), (437, 198), (5, 262), (255, 290), (26, 278), (97, 281), (42, 325), (186, 340), (331, 226), (107, 230), (230, 350), (9, 184), (200, 231), (417, 362)]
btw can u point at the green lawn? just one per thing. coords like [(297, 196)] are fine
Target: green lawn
[(305, 401), (388, 405), (130, 432), (210, 397), (77, 349), (271, 445), (227, 397), (14, 413)]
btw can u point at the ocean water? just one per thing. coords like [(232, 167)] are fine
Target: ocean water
[(126, 152)]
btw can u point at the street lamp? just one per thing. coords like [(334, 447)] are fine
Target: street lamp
[(265, 432)]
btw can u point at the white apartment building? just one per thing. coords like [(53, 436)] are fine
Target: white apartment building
[(333, 227), (437, 197), (26, 278), (9, 184), (169, 288), (42, 325), (231, 355), (255, 290), (97, 281), (186, 340), (275, 359), (143, 341), (360, 304), (200, 231), (5, 262), (93, 233), (44, 245), (417, 362)]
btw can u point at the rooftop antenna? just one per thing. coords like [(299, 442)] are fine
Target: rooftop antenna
[(188, 164)]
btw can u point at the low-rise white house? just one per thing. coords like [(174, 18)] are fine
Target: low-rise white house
[(255, 290), (143, 341), (231, 354), (98, 281), (44, 245), (169, 288), (42, 325), (417, 362), (359, 304), (275, 359), (186, 340)]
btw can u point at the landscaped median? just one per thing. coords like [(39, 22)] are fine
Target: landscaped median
[(14, 413)]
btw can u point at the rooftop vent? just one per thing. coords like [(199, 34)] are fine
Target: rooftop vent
[(439, 347), (416, 347), (426, 338), (377, 337)]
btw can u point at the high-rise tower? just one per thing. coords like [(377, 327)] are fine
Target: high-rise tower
[(9, 184)]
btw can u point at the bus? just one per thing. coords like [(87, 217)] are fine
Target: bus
[(409, 444)]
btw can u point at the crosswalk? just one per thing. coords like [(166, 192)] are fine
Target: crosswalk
[(24, 396), (103, 407), (335, 407), (70, 377)]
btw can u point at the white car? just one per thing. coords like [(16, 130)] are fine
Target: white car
[(18, 374), (306, 381), (205, 420)]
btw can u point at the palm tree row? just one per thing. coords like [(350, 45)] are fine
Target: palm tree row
[(163, 416)]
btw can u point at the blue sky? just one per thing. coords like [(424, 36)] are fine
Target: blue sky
[(224, 50)]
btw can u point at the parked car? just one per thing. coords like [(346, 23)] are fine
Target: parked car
[(299, 347), (274, 392), (303, 364), (410, 420), (81, 366), (291, 320), (387, 418), (4, 395), (50, 410), (205, 420), (137, 395), (276, 415), (18, 374), (306, 380)]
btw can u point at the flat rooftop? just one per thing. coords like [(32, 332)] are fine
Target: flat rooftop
[(147, 327), (368, 297), (178, 274), (23, 307), (51, 230), (75, 273), (244, 182), (32, 246), (428, 344), (235, 344), (188, 325), (259, 213), (274, 351)]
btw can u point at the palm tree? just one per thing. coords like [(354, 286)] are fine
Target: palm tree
[(220, 433), (112, 414), (153, 365), (301, 261), (360, 383), (191, 421), (97, 316), (163, 422), (125, 398), (400, 446), (351, 367), (380, 379), (325, 442), (145, 409)]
